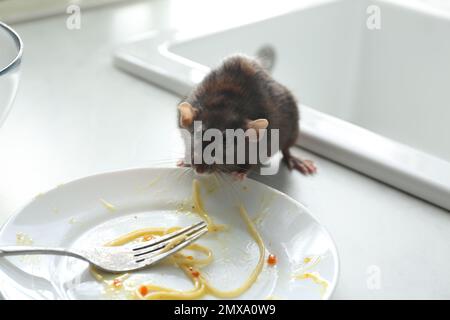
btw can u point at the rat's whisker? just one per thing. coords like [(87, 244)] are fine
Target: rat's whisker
[(186, 172), (225, 179)]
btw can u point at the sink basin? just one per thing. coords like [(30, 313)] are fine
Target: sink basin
[(10, 57), (374, 99)]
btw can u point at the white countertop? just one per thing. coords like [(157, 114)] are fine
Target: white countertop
[(75, 115)]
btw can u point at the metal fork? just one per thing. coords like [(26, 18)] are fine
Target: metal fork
[(122, 258)]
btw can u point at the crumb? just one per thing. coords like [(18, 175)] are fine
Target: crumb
[(23, 239), (73, 220), (107, 205)]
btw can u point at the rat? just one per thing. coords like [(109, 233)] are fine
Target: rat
[(241, 94)]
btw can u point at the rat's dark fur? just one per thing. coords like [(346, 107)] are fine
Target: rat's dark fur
[(241, 90)]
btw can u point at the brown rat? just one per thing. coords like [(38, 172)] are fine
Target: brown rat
[(241, 94)]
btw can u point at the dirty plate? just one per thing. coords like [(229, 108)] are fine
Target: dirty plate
[(96, 209)]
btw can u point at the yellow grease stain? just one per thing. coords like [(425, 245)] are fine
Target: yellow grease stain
[(316, 278), (110, 207), (190, 265)]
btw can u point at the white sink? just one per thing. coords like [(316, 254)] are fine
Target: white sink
[(376, 100), (10, 58)]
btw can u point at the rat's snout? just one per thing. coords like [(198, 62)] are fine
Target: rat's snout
[(203, 168), (200, 168)]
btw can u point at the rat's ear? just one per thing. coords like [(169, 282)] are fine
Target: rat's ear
[(255, 125), (187, 114), (258, 124)]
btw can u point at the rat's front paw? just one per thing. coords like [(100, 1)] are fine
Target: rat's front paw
[(306, 167)]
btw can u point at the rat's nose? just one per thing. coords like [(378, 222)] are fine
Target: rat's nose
[(200, 168)]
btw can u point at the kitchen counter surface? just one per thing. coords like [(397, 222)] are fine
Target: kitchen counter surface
[(75, 115)]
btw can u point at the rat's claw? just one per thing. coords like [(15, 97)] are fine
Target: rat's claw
[(303, 167), (306, 167), (310, 166), (239, 176)]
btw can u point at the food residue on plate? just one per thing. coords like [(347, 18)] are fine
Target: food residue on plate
[(309, 262), (185, 205), (118, 282), (107, 205), (264, 207), (73, 220), (151, 183), (273, 297), (23, 239), (272, 260), (261, 216), (316, 278), (200, 256), (304, 273), (211, 184)]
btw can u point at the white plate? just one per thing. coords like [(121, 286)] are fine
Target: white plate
[(73, 215)]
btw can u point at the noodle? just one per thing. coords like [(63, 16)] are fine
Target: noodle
[(316, 278), (189, 264)]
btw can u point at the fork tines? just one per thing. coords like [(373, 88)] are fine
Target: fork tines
[(186, 235)]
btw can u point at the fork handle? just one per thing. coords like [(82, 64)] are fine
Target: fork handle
[(23, 250)]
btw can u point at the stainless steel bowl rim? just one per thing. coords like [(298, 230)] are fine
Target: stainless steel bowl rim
[(16, 61)]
